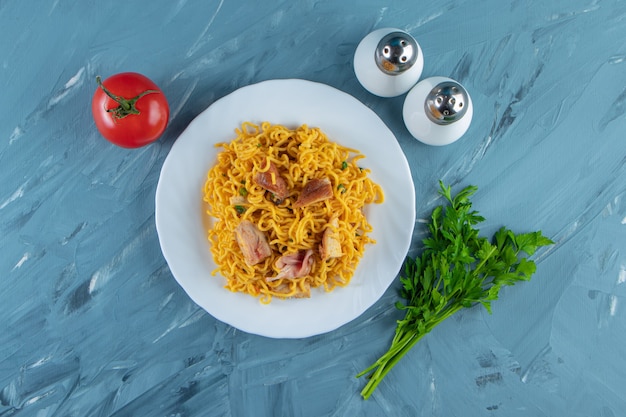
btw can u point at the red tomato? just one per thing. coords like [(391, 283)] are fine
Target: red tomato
[(130, 110)]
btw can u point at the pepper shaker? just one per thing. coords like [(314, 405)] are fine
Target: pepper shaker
[(388, 62), (437, 111)]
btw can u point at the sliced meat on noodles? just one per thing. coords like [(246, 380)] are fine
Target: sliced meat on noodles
[(271, 181), (293, 265), (330, 246), (252, 242), (317, 189)]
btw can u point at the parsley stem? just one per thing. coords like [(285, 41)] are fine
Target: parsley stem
[(383, 367), (487, 257), (402, 343)]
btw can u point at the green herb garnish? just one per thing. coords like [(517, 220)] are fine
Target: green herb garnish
[(457, 269), (344, 165), (240, 209), (243, 192), (341, 188)]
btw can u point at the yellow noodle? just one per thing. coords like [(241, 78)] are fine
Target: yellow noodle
[(300, 155)]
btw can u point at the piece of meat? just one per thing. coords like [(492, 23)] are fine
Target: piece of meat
[(317, 189), (238, 200), (271, 181), (304, 292), (252, 242), (330, 246), (293, 265)]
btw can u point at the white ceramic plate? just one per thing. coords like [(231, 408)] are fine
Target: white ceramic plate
[(182, 225)]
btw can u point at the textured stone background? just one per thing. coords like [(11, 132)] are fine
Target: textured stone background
[(93, 323)]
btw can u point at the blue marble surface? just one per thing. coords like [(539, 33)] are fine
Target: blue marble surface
[(94, 324)]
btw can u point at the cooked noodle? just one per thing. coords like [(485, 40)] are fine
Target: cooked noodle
[(300, 155)]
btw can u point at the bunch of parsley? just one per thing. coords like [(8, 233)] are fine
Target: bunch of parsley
[(457, 269)]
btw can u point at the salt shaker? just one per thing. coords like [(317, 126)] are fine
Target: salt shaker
[(388, 62), (437, 111)]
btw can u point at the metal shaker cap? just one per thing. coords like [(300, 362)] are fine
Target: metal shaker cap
[(396, 53), (446, 103)]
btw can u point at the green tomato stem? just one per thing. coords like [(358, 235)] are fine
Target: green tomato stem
[(125, 106)]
